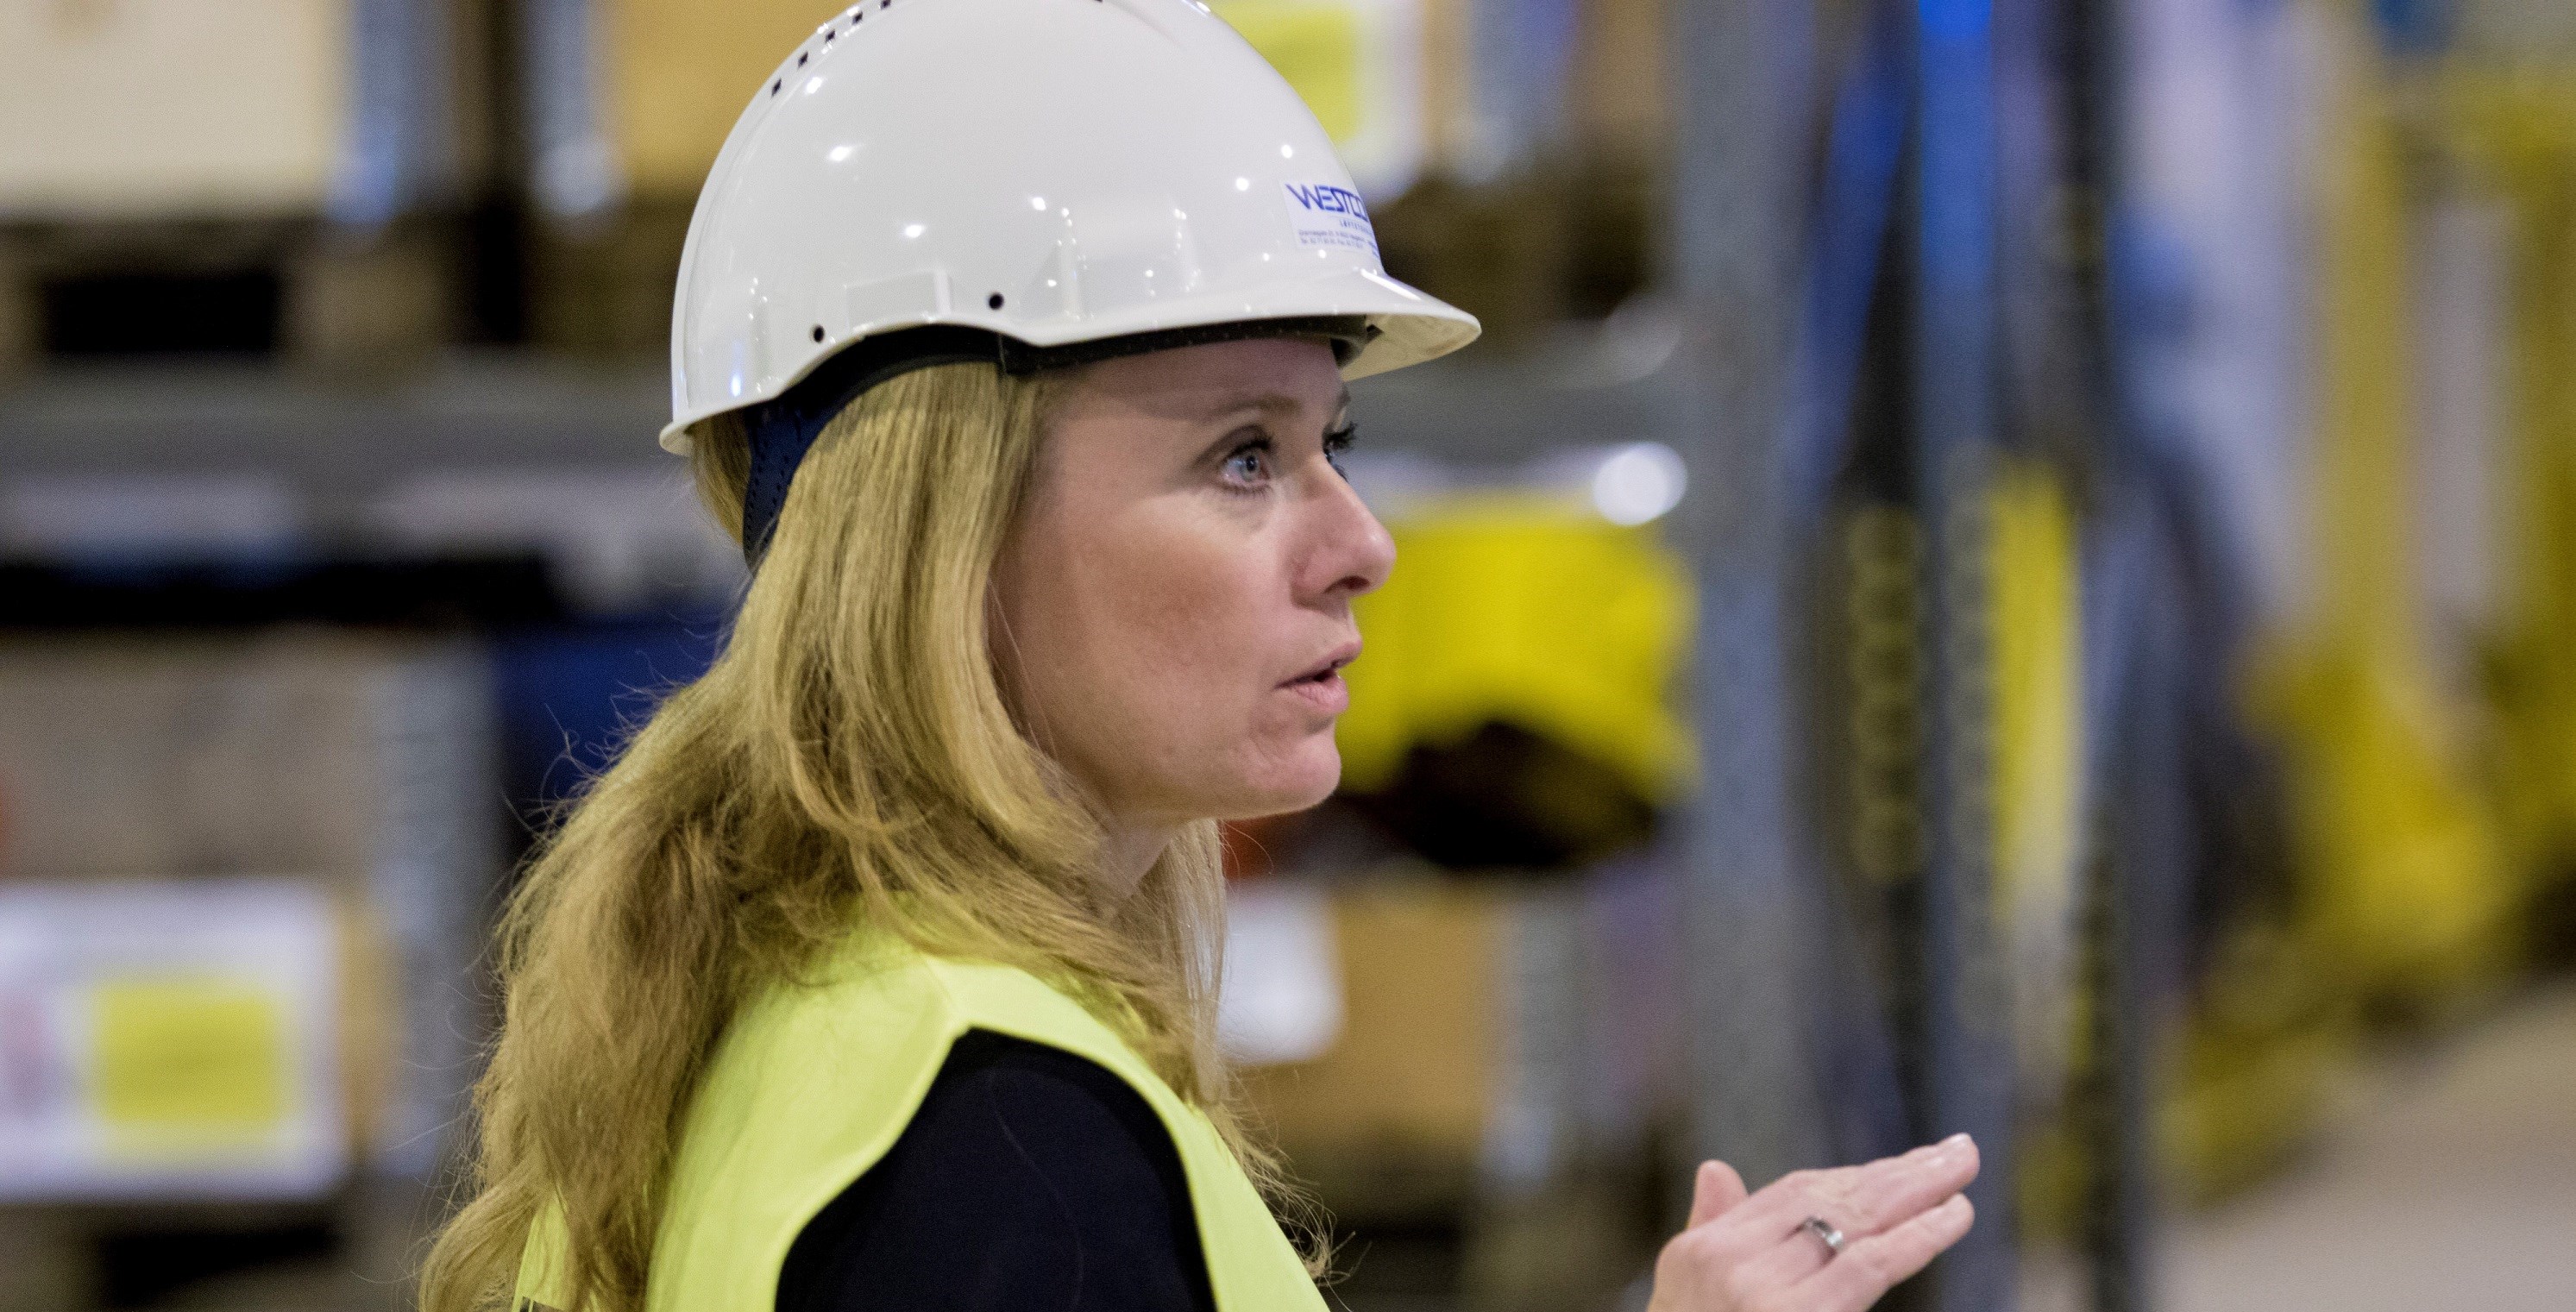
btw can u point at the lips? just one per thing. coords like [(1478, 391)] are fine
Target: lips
[(1327, 696), (1321, 686), (1330, 667)]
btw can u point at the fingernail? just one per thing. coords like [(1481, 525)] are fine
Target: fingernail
[(1956, 1142)]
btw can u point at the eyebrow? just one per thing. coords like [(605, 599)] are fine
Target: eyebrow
[(1278, 403)]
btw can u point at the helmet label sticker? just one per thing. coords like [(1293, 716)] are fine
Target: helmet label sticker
[(1326, 215)]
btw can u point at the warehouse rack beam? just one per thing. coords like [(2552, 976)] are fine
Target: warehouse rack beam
[(2136, 862), (1848, 234), (1967, 1035), (2138, 866), (1752, 913), (1612, 382), (1847, 238), (475, 408)]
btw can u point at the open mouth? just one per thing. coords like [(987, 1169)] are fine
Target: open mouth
[(1330, 668)]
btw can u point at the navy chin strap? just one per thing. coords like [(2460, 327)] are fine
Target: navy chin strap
[(781, 431)]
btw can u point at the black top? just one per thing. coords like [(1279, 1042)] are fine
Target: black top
[(1031, 1180)]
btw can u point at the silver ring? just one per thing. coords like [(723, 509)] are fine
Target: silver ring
[(1824, 1230)]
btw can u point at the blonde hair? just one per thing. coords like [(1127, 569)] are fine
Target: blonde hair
[(850, 758)]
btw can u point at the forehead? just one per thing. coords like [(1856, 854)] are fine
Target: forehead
[(1291, 374)]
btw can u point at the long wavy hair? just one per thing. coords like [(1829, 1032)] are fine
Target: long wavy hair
[(851, 758)]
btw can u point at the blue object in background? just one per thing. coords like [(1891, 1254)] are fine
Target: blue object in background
[(1967, 1058), (2413, 27), (568, 696)]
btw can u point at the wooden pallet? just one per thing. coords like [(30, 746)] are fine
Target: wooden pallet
[(295, 289), (356, 1251), (1497, 251), (602, 286)]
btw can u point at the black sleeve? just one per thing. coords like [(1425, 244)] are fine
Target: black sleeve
[(1031, 1180)]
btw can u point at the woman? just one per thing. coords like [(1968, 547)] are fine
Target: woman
[(878, 970)]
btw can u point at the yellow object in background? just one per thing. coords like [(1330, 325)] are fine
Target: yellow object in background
[(188, 1062), (1315, 45), (2038, 758), (2401, 886), (2038, 659), (1362, 67), (1527, 611), (2516, 130), (187, 1043), (677, 73)]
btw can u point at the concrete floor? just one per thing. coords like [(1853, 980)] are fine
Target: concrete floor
[(2447, 1181)]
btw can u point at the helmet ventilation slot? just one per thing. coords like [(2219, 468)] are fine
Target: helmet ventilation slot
[(830, 33)]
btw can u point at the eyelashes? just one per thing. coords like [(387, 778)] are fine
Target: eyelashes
[(1259, 452)]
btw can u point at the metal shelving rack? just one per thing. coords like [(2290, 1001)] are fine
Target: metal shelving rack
[(1799, 1058), (1792, 1069)]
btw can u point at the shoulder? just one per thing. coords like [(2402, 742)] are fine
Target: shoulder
[(1028, 1177), (1060, 1117), (1008, 1000), (1016, 1071)]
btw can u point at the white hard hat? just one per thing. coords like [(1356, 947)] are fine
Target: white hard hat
[(1050, 172)]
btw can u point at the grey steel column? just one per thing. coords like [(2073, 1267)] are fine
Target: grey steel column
[(2133, 696), (1968, 1064), (399, 149), (1741, 74), (2132, 709)]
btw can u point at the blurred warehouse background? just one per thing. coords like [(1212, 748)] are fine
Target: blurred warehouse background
[(2004, 565)]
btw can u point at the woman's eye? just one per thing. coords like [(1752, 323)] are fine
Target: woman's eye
[(1337, 444), (1250, 464)]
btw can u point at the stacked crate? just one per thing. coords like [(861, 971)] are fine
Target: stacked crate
[(1507, 147), (627, 103), (246, 175), (242, 884), (1496, 1059)]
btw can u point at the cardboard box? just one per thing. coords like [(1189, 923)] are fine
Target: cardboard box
[(144, 109), (362, 764), (677, 73), (1495, 1033), (671, 76)]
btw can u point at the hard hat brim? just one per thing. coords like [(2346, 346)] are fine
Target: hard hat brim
[(1409, 327)]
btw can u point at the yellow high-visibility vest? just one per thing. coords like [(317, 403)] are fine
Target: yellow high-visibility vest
[(812, 1083)]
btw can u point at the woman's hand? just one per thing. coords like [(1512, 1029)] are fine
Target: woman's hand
[(1757, 1254)]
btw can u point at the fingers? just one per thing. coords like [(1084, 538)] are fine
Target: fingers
[(1886, 1195), (1745, 1252), (1716, 1192), (1864, 1200), (1870, 1267)]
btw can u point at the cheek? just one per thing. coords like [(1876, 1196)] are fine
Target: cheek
[(1163, 637), (1177, 614)]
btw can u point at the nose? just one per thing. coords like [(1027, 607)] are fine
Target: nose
[(1346, 550)]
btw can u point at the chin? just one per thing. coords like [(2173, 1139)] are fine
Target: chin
[(1295, 782)]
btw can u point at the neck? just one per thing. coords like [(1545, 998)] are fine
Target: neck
[(1131, 849)]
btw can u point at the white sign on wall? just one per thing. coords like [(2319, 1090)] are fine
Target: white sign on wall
[(169, 1040)]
